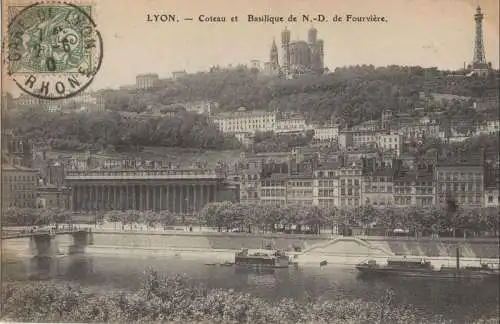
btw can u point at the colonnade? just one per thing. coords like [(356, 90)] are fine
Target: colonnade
[(177, 198)]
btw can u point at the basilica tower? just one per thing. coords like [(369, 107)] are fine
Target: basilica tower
[(274, 59), (285, 45)]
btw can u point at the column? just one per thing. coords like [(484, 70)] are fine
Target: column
[(134, 202), (180, 198), (98, 200), (127, 197), (161, 198), (87, 198), (83, 200), (109, 201), (211, 193), (141, 203), (174, 194), (92, 198), (73, 207), (154, 197), (98, 197), (115, 198), (76, 191), (121, 196), (195, 201), (147, 198), (143, 193), (202, 202), (168, 204), (110, 198), (183, 199), (187, 200)]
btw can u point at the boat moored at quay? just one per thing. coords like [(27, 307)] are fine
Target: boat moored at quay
[(422, 268), (262, 259)]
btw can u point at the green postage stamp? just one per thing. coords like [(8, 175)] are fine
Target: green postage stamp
[(53, 50)]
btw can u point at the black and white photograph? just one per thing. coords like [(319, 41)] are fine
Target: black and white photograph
[(259, 162)]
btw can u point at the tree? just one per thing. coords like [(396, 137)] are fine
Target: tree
[(390, 220), (414, 217), (77, 132), (166, 218), (212, 215), (113, 216), (150, 218), (368, 215), (492, 219), (332, 217)]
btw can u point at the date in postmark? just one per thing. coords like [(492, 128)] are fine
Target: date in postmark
[(53, 50)]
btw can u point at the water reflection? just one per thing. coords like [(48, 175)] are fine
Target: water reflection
[(42, 267), (73, 267), (79, 267), (455, 300)]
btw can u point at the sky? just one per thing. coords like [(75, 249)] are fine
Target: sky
[(417, 32)]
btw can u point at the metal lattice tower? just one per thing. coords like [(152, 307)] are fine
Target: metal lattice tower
[(479, 56)]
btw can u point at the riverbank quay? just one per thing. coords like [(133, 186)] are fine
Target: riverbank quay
[(305, 249)]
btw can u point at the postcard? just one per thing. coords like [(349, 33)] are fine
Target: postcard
[(250, 161)]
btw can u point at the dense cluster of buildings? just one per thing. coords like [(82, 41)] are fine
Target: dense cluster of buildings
[(348, 180), (340, 178), (81, 102), (22, 184), (391, 133)]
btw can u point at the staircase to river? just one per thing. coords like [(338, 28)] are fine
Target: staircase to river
[(348, 245)]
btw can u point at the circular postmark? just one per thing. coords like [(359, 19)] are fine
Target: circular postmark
[(53, 50)]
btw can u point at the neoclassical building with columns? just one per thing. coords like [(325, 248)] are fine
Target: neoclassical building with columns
[(179, 191)]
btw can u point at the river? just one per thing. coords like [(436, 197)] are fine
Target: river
[(458, 301)]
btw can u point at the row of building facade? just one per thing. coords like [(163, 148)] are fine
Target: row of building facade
[(285, 178), (349, 183)]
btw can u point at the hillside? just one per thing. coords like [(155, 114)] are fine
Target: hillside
[(352, 94)]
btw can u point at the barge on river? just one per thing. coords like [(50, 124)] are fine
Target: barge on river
[(420, 267), (262, 259)]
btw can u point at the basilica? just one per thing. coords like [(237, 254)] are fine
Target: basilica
[(297, 57)]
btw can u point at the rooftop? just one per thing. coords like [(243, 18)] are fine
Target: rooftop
[(9, 167), (156, 174)]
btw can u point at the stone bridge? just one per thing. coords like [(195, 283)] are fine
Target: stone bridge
[(43, 243), (45, 249)]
